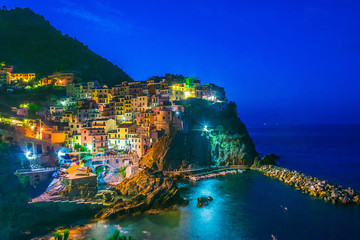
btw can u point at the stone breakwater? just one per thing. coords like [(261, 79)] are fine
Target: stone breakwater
[(313, 186)]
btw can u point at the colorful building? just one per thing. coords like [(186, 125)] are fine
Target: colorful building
[(145, 119), (61, 78), (94, 139), (182, 91), (140, 103), (22, 76), (107, 124), (81, 90), (101, 95)]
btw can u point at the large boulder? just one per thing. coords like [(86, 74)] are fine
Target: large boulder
[(160, 191), (203, 201)]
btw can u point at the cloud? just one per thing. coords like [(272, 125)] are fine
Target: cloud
[(100, 15)]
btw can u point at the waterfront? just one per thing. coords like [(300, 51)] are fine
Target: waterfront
[(245, 206), (251, 206)]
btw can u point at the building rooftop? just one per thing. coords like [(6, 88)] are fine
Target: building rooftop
[(126, 125)]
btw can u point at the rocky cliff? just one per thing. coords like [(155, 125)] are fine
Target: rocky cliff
[(178, 149), (224, 141), (148, 189)]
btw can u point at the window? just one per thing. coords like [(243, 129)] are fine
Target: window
[(84, 138)]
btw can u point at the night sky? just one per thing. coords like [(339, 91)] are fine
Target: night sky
[(285, 62)]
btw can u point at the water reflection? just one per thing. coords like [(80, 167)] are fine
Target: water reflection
[(245, 206)]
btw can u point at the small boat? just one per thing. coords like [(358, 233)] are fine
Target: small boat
[(284, 208)]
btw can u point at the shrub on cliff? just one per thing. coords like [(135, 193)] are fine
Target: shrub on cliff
[(268, 159)]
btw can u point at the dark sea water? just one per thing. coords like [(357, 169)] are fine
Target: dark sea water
[(249, 205), (326, 151)]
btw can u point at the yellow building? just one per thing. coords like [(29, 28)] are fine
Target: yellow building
[(68, 117), (22, 76), (119, 108), (101, 95), (127, 108), (125, 129), (76, 139), (182, 91)]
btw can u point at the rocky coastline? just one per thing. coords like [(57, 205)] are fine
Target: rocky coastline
[(311, 185), (147, 190)]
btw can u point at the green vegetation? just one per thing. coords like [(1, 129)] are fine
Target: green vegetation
[(33, 108), (13, 196), (116, 236), (62, 236), (39, 96), (200, 112), (31, 44), (122, 171), (99, 170), (78, 147)]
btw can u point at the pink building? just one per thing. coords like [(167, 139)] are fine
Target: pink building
[(159, 100), (162, 118), (94, 139), (20, 111)]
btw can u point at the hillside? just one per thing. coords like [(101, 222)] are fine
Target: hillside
[(31, 44)]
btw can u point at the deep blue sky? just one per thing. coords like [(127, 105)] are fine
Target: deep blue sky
[(280, 61)]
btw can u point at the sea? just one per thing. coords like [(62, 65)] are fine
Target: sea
[(253, 206)]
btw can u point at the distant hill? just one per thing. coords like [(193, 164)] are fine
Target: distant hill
[(31, 44)]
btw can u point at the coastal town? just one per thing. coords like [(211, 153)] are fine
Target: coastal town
[(105, 128)]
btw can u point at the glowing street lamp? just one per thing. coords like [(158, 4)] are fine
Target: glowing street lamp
[(89, 147)]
